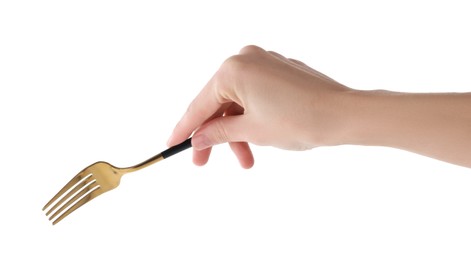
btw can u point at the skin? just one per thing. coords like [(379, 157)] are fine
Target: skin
[(263, 98)]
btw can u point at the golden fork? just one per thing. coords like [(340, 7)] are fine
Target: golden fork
[(95, 180)]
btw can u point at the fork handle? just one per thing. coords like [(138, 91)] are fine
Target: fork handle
[(177, 148)]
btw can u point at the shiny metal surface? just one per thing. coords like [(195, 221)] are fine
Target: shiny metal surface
[(95, 180)]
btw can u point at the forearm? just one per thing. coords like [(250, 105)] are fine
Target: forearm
[(266, 99), (434, 125)]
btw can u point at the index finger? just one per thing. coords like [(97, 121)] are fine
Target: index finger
[(203, 107), (217, 93)]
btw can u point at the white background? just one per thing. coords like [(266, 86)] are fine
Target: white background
[(82, 81)]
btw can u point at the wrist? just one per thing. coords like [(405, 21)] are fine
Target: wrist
[(375, 117), (361, 117)]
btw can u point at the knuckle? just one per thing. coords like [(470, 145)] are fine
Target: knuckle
[(250, 49), (243, 61), (235, 61), (234, 65)]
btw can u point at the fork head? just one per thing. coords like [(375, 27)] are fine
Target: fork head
[(91, 182)]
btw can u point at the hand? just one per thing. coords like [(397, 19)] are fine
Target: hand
[(263, 98)]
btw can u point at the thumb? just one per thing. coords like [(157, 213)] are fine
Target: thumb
[(221, 130)]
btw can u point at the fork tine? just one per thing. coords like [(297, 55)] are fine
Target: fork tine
[(93, 185), (95, 193), (82, 183), (81, 175)]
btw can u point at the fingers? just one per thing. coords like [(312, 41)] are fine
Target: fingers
[(212, 102), (203, 107), (244, 154), (206, 103), (241, 149), (228, 127), (201, 157), (221, 130)]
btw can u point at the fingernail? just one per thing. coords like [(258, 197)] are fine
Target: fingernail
[(200, 142), (169, 141)]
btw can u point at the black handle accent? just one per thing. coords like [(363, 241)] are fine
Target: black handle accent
[(177, 148)]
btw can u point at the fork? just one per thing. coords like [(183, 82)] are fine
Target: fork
[(95, 180)]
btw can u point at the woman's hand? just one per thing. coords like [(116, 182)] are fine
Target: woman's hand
[(266, 99)]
